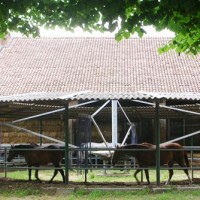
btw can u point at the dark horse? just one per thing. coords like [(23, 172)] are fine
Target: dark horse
[(35, 156), (148, 158)]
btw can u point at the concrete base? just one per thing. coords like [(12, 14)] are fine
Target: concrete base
[(67, 191)]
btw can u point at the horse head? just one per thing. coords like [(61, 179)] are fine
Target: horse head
[(16, 150), (11, 153)]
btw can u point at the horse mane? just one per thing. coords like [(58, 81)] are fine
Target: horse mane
[(24, 146), (34, 144), (52, 146)]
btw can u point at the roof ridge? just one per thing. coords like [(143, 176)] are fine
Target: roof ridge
[(82, 37)]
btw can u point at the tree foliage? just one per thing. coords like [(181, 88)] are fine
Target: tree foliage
[(127, 16)]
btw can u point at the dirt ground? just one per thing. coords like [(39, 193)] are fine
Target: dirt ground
[(11, 184), (62, 191)]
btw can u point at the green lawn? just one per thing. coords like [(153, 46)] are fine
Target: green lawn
[(27, 191), (105, 195), (101, 176)]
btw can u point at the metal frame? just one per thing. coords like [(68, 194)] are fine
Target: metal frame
[(114, 104), (114, 116), (157, 129)]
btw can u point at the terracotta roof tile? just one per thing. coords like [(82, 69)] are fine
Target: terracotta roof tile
[(95, 64)]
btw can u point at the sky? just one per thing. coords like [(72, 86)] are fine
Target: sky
[(57, 32)]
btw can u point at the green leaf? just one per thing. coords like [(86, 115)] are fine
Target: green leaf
[(126, 35), (118, 37), (181, 17)]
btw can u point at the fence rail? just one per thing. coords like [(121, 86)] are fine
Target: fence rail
[(92, 160)]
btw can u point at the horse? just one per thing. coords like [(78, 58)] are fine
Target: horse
[(147, 157), (35, 156)]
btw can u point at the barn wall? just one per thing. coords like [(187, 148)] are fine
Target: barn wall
[(174, 128), (163, 130), (146, 131), (51, 127), (181, 127), (54, 128)]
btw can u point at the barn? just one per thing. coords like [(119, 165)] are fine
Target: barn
[(115, 92)]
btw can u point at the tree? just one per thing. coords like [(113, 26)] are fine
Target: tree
[(127, 16)]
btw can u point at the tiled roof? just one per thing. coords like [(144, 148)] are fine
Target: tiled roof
[(89, 95), (98, 65)]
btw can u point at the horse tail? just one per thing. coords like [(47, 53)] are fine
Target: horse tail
[(186, 159)]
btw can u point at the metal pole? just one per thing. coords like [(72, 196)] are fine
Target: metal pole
[(33, 133), (40, 138), (66, 144), (104, 105), (36, 116), (124, 113), (157, 130), (127, 134), (168, 107), (184, 131), (183, 137), (192, 156), (101, 134), (50, 112), (114, 123), (5, 165)]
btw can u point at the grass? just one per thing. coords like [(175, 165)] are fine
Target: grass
[(95, 176), (20, 192), (138, 195), (99, 175), (99, 195)]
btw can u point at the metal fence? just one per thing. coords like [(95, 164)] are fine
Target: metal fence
[(93, 160)]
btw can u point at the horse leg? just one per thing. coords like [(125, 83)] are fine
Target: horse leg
[(55, 173), (147, 175), (29, 174), (135, 175), (181, 164), (171, 172), (62, 174), (36, 175), (187, 173)]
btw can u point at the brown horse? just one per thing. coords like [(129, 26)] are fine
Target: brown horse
[(35, 156), (147, 157)]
